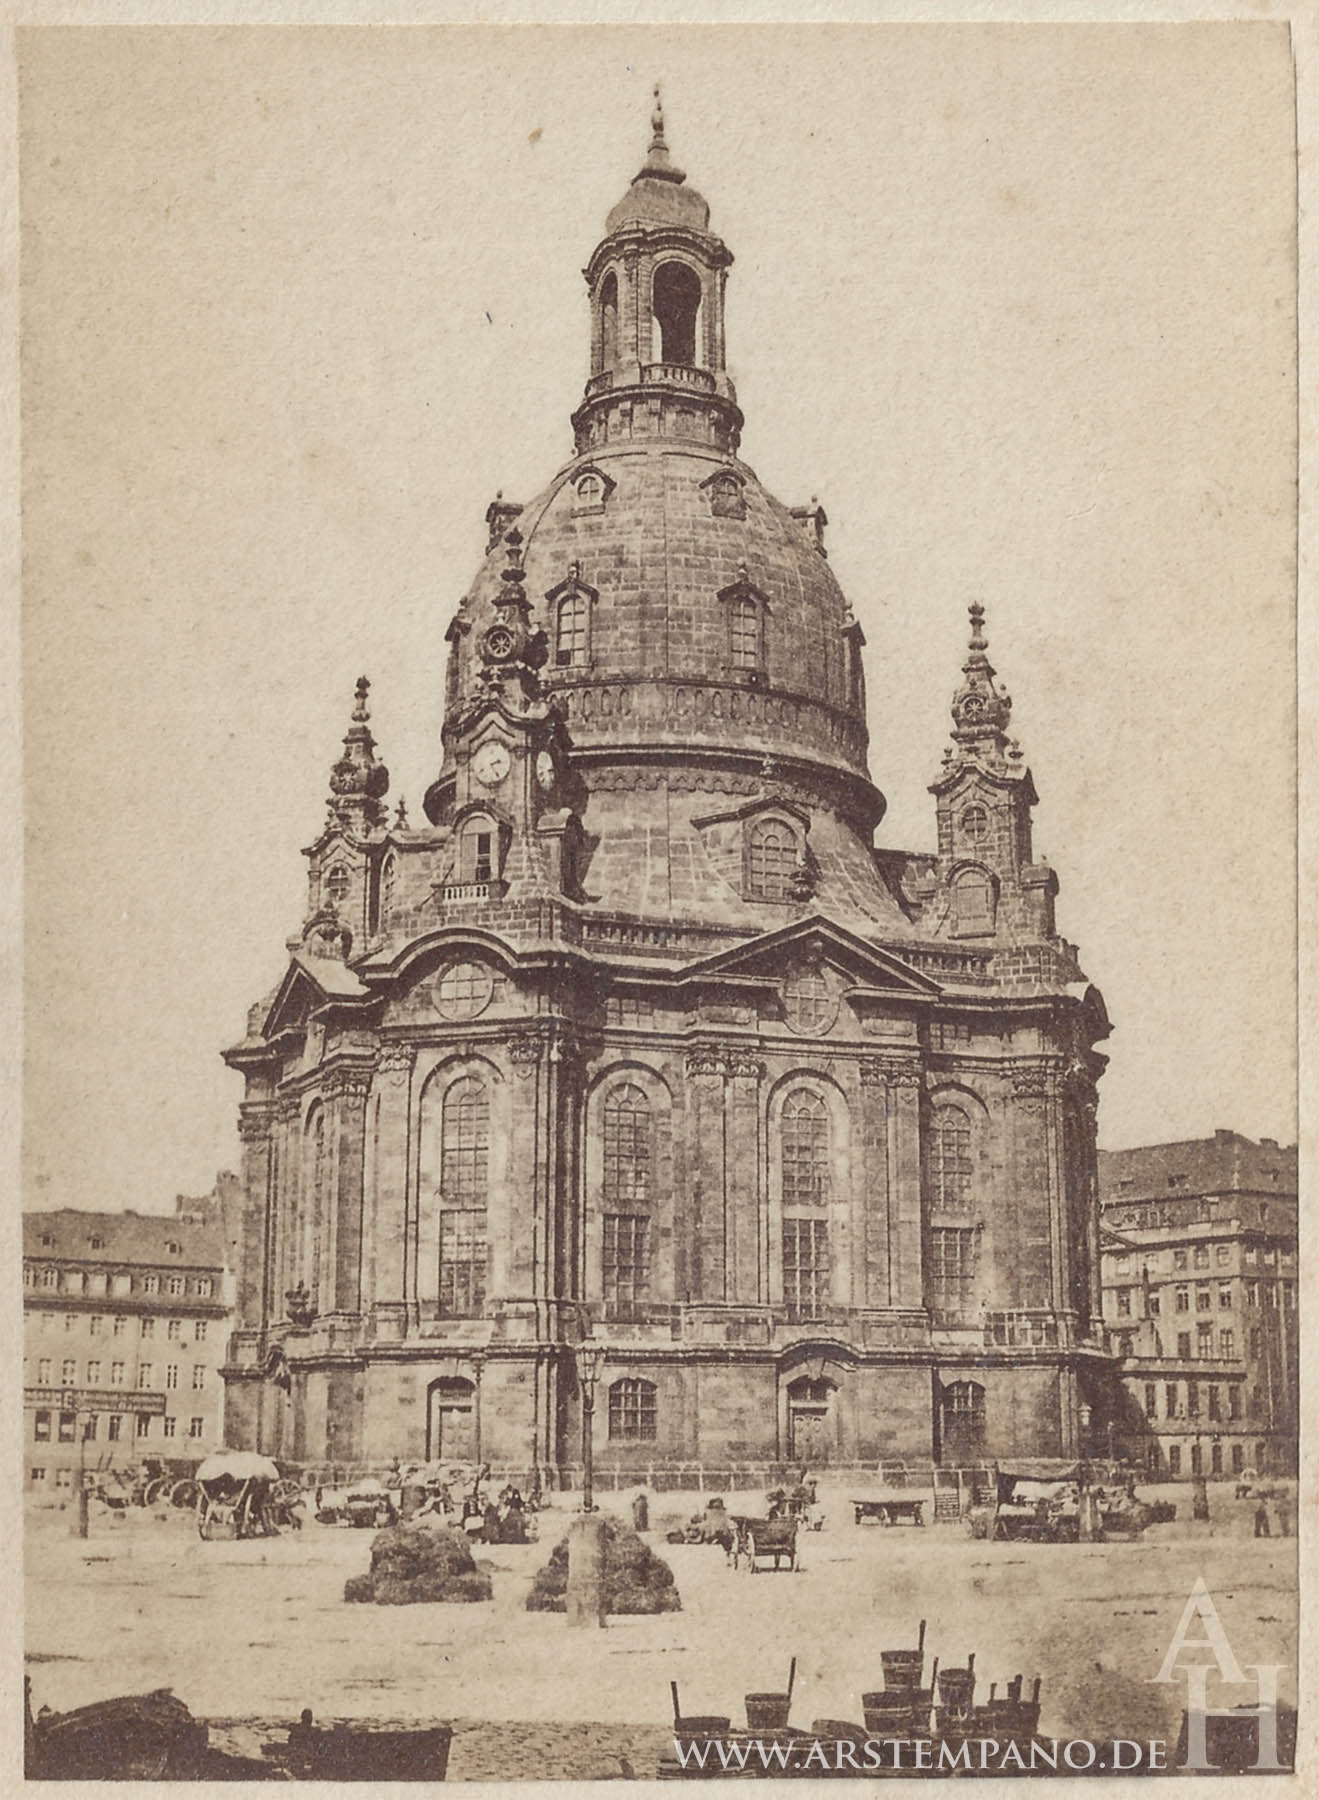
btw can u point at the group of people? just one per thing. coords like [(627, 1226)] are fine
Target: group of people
[(503, 1520)]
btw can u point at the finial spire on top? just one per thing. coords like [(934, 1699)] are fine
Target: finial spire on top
[(360, 712), (977, 615), (657, 165), (981, 709), (358, 781)]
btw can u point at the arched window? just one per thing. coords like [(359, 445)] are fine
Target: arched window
[(804, 1130), (952, 1272), (628, 1177), (315, 1171), (676, 302), (479, 849), (771, 859), (950, 1158), (464, 1192), (632, 1414), (744, 633), (973, 903), (337, 884), (963, 1422), (573, 634), (805, 1149), (609, 321)]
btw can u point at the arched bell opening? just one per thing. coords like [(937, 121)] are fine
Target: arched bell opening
[(676, 306)]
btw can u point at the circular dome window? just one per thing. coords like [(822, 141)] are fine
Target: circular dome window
[(463, 990), (809, 1005)]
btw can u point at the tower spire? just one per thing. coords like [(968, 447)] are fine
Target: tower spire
[(358, 782), (658, 166), (981, 709)]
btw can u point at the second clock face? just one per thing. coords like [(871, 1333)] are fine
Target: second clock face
[(490, 764)]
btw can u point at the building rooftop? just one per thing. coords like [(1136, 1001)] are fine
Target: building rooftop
[(1225, 1163), (122, 1237)]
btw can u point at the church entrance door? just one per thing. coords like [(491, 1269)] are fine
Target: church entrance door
[(812, 1427), (451, 1421)]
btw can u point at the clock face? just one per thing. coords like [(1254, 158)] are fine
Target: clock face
[(490, 764), (545, 769)]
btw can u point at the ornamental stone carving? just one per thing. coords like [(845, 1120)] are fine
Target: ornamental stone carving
[(395, 1062), (256, 1120), (349, 1085), (890, 1071)]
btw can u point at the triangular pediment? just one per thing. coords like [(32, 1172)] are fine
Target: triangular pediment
[(308, 983), (819, 938)]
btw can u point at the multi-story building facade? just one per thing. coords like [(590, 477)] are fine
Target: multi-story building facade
[(125, 1322), (640, 1033), (1199, 1267)]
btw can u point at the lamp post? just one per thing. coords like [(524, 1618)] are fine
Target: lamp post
[(590, 1360)]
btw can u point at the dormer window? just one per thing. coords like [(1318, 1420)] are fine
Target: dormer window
[(724, 490), (479, 842), (974, 902), (591, 490), (746, 608), (572, 640), (772, 855)]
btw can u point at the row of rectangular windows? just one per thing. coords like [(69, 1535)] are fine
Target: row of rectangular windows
[(97, 1281), (1268, 1255), (1253, 1293), (626, 1262), (143, 1378), (1175, 1407), (66, 1426), (1204, 1344), (95, 1323)]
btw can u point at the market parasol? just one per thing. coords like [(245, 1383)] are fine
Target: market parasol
[(239, 1465)]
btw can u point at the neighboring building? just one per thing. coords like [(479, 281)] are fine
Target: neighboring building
[(125, 1320), (1199, 1272), (640, 1030)]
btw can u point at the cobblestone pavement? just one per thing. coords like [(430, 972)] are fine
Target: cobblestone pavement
[(257, 1631)]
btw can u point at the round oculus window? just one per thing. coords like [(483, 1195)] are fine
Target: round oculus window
[(463, 990), (975, 824), (809, 1005)]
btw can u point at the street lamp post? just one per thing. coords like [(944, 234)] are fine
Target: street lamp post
[(590, 1359)]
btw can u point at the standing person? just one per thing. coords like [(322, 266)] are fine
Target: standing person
[(1284, 1519), (640, 1511), (1262, 1521)]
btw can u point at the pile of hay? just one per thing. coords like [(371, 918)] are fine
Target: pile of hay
[(636, 1580), (410, 1564)]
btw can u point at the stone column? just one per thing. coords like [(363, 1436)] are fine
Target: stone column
[(745, 1164), (525, 1271), (1037, 1266), (386, 1257), (256, 1124), (705, 1101), (902, 1080), (874, 1237), (288, 1201), (347, 1090)]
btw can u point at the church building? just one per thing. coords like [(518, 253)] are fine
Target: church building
[(638, 1036)]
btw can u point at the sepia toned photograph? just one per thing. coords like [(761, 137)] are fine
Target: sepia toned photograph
[(660, 1126)]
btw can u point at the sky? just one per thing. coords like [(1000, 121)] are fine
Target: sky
[(1016, 303)]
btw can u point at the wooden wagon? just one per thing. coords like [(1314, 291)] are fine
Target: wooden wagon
[(758, 1540), (890, 1508)]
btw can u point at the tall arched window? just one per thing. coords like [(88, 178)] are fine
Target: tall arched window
[(464, 1195), (771, 860), (744, 633), (628, 1178), (572, 642), (632, 1411), (479, 850), (805, 1136), (805, 1148), (973, 903), (950, 1158), (676, 302), (609, 321)]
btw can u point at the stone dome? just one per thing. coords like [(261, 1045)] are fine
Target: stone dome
[(683, 606)]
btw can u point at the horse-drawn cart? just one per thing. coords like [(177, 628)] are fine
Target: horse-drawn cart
[(234, 1490), (758, 1540)]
